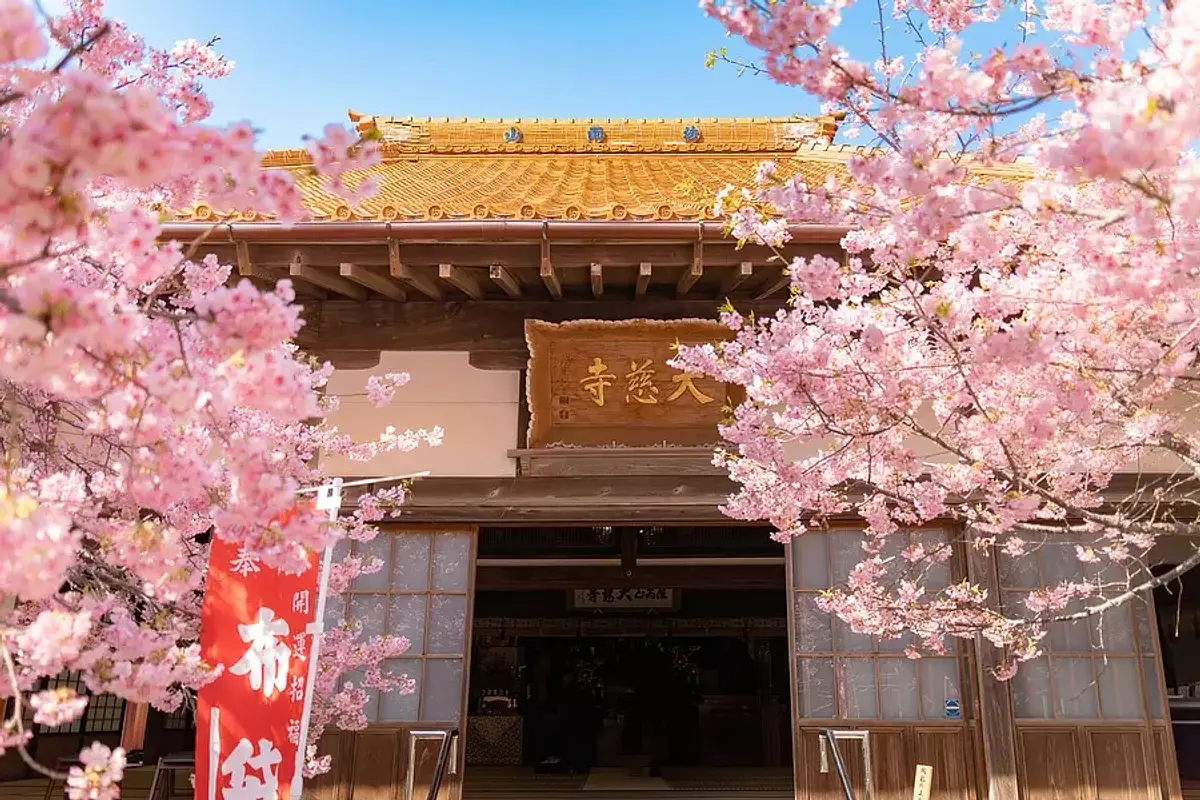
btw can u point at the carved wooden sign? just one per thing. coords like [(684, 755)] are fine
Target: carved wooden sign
[(597, 383), (593, 599)]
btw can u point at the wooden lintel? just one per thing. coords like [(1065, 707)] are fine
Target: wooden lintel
[(493, 325), (401, 271), (736, 277), (575, 500), (501, 578), (377, 283), (546, 462), (643, 279), (692, 274), (549, 275), (505, 280), (326, 279), (596, 273), (460, 280)]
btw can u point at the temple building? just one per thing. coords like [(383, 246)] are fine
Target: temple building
[(582, 615)]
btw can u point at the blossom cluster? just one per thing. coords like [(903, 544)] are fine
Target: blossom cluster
[(149, 402), (1010, 323)]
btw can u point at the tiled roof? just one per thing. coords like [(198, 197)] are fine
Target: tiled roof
[(561, 169)]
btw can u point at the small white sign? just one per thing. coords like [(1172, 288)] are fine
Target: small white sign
[(625, 598)]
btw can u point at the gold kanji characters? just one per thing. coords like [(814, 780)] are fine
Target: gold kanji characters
[(639, 383), (686, 381), (597, 380)]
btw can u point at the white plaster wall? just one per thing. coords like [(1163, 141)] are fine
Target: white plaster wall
[(478, 410), (1182, 405)]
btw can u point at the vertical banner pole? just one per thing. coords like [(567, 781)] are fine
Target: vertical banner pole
[(214, 754), (329, 498)]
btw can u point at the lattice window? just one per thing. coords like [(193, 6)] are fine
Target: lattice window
[(64, 680), (1101, 667), (180, 719), (844, 675), (421, 594), (105, 714)]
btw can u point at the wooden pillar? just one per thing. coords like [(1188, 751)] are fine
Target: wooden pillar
[(996, 719), (133, 726)]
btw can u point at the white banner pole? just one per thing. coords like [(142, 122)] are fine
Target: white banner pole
[(329, 498)]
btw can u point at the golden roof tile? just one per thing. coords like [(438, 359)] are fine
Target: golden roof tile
[(580, 169)]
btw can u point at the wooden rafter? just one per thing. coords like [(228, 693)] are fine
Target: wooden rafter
[(325, 279), (548, 273), (505, 280), (401, 271), (774, 285), (246, 267), (643, 279), (736, 277), (692, 274), (596, 274), (377, 283), (462, 280)]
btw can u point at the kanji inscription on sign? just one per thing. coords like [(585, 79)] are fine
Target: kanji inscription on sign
[(598, 383)]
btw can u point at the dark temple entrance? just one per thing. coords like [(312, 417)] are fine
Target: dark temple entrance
[(659, 654)]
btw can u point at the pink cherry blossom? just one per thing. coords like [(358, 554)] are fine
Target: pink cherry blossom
[(150, 402), (54, 707), (1012, 325), (99, 776)]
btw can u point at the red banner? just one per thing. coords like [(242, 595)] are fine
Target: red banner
[(258, 623)]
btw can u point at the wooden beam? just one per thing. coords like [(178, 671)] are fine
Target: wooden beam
[(373, 281), (491, 325), (606, 500), (549, 276), (505, 280), (460, 280), (773, 285), (245, 265), (325, 279), (347, 359), (643, 279), (481, 255), (692, 274), (401, 271), (133, 726), (736, 277), (501, 578), (996, 719), (596, 272)]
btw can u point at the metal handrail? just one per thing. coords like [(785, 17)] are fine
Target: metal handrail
[(445, 751), (840, 765)]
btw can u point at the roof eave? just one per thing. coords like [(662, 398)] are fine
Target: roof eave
[(476, 231)]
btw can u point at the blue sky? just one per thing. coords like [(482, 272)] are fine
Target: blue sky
[(301, 64)]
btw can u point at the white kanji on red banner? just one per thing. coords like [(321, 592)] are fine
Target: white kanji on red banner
[(242, 759), (265, 662), (250, 719)]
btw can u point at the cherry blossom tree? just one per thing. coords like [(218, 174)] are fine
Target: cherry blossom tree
[(148, 403), (1015, 322)]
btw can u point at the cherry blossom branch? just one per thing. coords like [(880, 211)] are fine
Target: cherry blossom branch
[(18, 716)]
